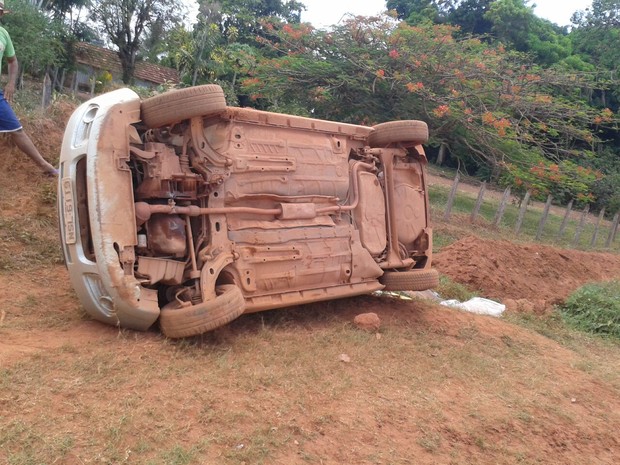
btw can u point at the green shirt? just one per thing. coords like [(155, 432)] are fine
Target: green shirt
[(6, 45)]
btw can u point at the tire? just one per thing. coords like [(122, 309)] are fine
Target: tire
[(177, 105), (411, 132), (412, 280), (176, 321)]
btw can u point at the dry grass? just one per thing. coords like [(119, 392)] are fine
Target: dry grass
[(437, 386)]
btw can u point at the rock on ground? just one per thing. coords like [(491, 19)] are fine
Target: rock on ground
[(367, 321)]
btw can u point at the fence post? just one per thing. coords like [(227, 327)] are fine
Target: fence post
[(581, 224), (543, 219), (612, 230), (522, 211), (46, 96), (598, 224), (455, 185), (569, 207), (474, 213), (502, 206)]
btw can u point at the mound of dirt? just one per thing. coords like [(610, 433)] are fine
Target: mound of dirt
[(505, 270)]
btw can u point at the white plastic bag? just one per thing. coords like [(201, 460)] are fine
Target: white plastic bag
[(478, 305)]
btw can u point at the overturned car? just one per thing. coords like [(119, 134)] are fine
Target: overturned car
[(181, 210)]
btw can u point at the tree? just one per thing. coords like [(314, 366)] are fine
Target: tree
[(597, 35), (415, 11), (515, 24), (126, 21), (245, 18), (60, 8), (603, 13), (469, 16), (35, 51), (495, 110), (226, 41)]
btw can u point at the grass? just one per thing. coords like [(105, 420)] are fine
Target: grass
[(464, 204), (450, 289), (271, 389), (27, 242), (595, 308)]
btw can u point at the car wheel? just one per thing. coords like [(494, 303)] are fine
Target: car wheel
[(177, 105), (176, 321), (412, 280), (411, 132)]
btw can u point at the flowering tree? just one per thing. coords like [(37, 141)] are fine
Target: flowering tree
[(493, 109)]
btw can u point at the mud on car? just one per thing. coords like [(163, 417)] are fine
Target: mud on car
[(181, 210)]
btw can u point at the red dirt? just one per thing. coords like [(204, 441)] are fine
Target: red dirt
[(506, 270)]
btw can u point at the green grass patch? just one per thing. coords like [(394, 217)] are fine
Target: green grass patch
[(449, 289), (595, 308)]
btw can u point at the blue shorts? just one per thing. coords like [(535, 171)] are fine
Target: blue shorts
[(8, 120)]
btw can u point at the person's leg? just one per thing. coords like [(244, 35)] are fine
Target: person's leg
[(11, 125), (24, 143)]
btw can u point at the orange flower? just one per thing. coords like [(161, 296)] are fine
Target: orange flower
[(411, 87), (441, 111), (543, 99), (251, 81), (606, 115), (501, 125), (488, 117)]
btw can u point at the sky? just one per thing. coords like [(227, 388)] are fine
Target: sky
[(323, 13)]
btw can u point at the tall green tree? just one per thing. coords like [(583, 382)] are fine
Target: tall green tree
[(245, 18), (415, 11), (468, 15), (226, 41), (125, 23), (515, 24), (35, 51), (60, 8), (597, 34)]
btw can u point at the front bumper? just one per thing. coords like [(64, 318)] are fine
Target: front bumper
[(97, 218)]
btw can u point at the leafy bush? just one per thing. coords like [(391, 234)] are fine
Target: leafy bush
[(36, 51), (607, 193), (595, 308)]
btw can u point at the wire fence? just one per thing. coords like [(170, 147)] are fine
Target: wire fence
[(576, 229)]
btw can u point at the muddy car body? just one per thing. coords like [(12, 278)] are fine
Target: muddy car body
[(182, 210)]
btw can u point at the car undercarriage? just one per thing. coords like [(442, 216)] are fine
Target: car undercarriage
[(196, 212)]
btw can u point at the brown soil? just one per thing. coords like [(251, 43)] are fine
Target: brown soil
[(504, 270), (435, 386)]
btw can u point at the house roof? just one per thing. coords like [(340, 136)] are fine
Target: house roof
[(108, 60)]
